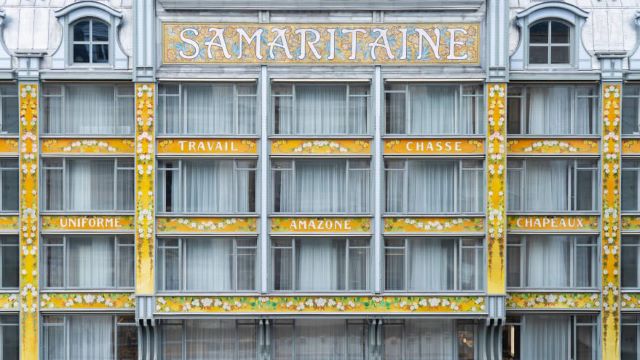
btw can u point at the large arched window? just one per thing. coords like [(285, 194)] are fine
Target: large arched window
[(550, 42), (90, 42)]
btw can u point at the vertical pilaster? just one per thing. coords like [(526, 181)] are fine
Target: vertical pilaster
[(377, 186), (611, 101), (145, 195), (496, 193), (29, 234), (264, 179)]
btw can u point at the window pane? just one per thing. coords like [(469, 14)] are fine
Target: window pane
[(100, 53), (560, 54), (629, 185), (127, 342), (209, 264), (629, 262), (126, 266), (246, 269), (539, 33), (584, 342), (313, 254), (125, 190), (431, 264), (53, 189), (629, 340), (54, 262), (630, 114), (10, 258), (9, 115), (433, 109), (585, 190), (54, 344), (395, 107), (100, 31), (538, 55), (91, 334), (210, 108), (91, 263), (81, 53), (10, 190), (513, 266), (559, 33), (169, 265), (81, 31), (551, 253), (358, 268)]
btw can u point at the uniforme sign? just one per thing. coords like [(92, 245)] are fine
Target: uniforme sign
[(393, 44)]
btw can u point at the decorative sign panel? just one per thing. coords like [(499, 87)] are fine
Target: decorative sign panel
[(9, 302), (9, 146), (551, 223), (320, 305), (82, 223), (630, 223), (236, 147), (434, 147), (330, 44), (630, 146), (434, 225), (320, 147), (88, 146), (630, 302), (206, 225), (553, 301), (9, 223), (555, 147), (87, 301), (318, 225)]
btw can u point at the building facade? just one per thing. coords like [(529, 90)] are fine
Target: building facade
[(397, 180)]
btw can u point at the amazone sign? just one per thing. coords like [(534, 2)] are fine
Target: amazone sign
[(394, 44)]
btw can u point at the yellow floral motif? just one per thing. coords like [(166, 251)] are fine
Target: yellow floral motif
[(9, 223), (552, 147), (206, 225), (630, 147), (332, 304), (434, 146), (433, 225), (88, 301), (88, 146), (310, 225), (145, 212), (496, 179), (29, 232), (9, 302), (9, 146), (611, 97), (320, 147), (542, 301), (630, 301), (188, 146), (630, 223)]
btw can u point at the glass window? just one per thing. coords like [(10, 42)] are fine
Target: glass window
[(9, 109), (550, 43), (533, 337), (206, 264), (88, 262), (315, 339), (97, 184), (434, 109), (629, 261), (430, 339), (629, 337), (9, 258), (552, 261), (552, 109), (9, 178), (552, 185), (9, 337), (206, 186), (344, 263), (74, 337), (630, 109), (208, 339), (320, 109), (630, 183), (321, 186), (207, 109), (434, 186), (90, 43), (434, 264), (88, 109)]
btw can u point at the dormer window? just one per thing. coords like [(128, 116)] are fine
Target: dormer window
[(549, 43), (90, 42)]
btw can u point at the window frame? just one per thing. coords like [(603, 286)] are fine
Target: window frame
[(628, 243), (6, 168), (182, 259), (4, 244), (119, 241), (91, 43), (549, 44), (520, 241), (478, 125), (4, 94), (635, 90), (294, 248), (478, 249)]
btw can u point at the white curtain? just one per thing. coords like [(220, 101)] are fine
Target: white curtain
[(91, 337), (91, 262), (91, 183), (430, 264), (218, 339), (433, 109), (88, 110), (550, 110), (546, 185), (317, 264), (546, 337), (429, 340), (548, 261), (320, 340), (431, 186), (208, 109), (321, 109), (210, 186), (209, 262), (321, 186)]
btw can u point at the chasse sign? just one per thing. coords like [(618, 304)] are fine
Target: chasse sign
[(394, 44)]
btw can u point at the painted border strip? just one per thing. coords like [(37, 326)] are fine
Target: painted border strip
[(9, 146), (320, 304), (87, 146), (87, 301), (9, 224), (433, 225), (553, 301), (321, 147), (207, 225), (553, 147)]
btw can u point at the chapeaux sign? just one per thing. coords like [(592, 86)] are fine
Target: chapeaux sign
[(393, 44)]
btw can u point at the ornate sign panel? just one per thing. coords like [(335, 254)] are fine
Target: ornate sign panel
[(87, 301), (555, 147), (68, 147), (8, 146), (434, 147), (435, 225), (206, 225), (553, 301), (333, 147), (553, 223), (9, 223), (237, 147), (82, 223), (321, 225), (329, 44)]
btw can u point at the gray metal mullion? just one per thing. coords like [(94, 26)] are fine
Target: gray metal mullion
[(236, 111), (346, 264)]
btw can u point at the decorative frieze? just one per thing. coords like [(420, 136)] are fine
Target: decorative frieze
[(320, 225), (9, 223), (9, 146), (94, 301), (553, 301), (207, 225), (433, 225), (451, 147), (199, 147), (333, 147), (73, 146), (553, 147), (87, 223), (553, 223)]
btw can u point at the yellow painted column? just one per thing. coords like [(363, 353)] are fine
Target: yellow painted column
[(29, 234), (496, 184), (145, 196), (611, 101)]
